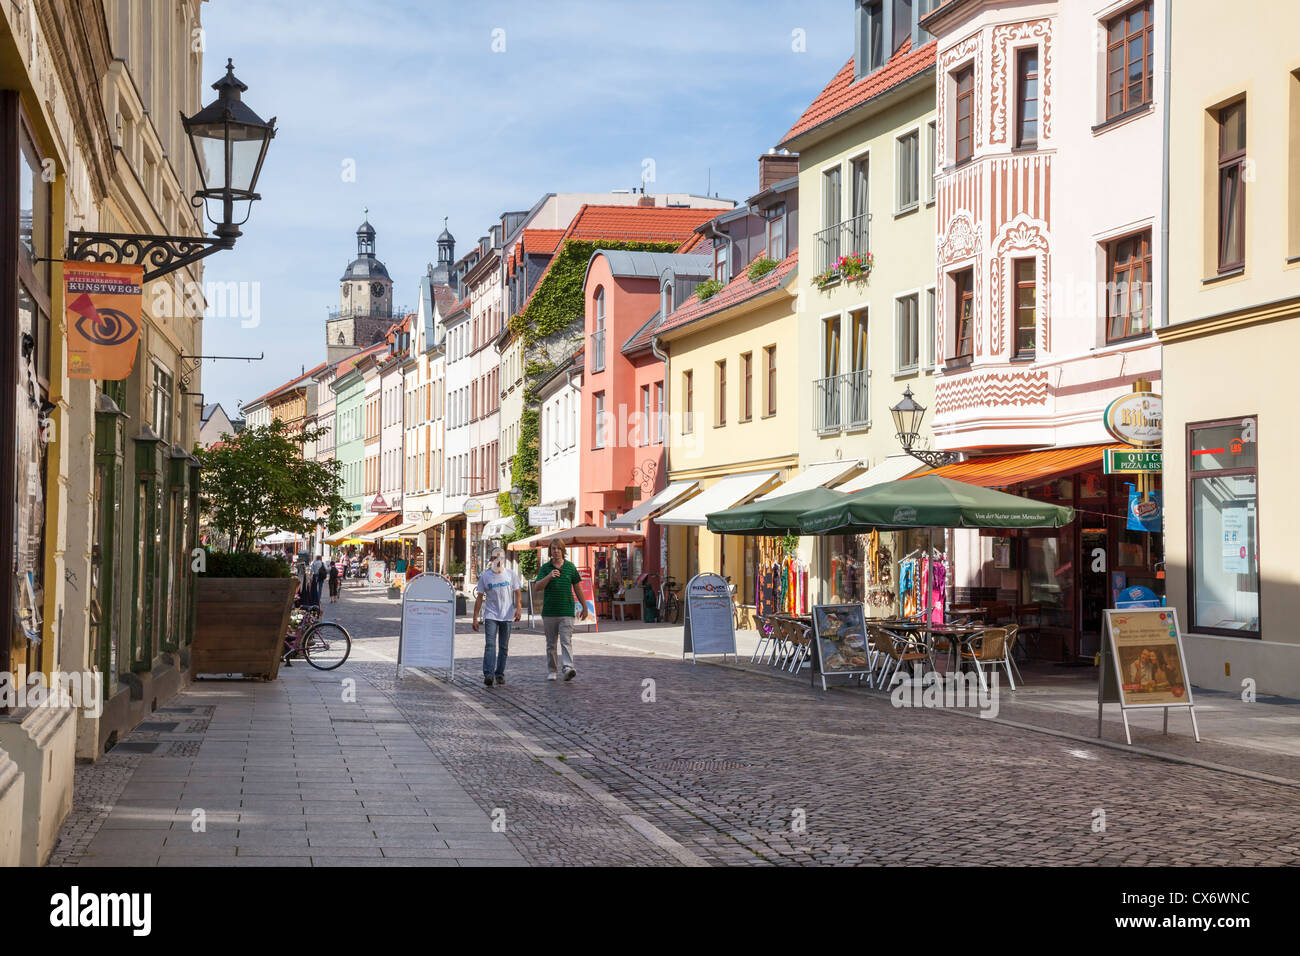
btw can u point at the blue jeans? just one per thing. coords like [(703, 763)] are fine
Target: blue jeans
[(496, 635)]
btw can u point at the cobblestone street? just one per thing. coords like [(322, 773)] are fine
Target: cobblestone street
[(706, 765)]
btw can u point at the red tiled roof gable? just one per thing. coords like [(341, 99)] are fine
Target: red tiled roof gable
[(843, 94)]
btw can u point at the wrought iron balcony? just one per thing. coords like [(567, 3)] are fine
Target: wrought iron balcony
[(842, 239), (842, 401)]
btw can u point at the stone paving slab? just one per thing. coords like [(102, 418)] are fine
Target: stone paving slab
[(280, 783)]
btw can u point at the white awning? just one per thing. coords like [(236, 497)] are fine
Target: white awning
[(730, 491), (814, 476), (498, 527), (670, 496), (893, 468), (420, 527), (349, 531)]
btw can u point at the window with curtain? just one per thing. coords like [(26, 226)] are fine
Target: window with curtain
[(1128, 300), (963, 283), (908, 333), (907, 170)]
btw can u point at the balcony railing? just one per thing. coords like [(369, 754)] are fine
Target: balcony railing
[(842, 401), (842, 239), (597, 352)]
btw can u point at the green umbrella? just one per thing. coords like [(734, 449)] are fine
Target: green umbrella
[(775, 515), (932, 502)]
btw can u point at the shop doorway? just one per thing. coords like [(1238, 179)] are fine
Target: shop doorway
[(1094, 585)]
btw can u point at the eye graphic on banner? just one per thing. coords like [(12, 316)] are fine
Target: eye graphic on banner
[(102, 318)]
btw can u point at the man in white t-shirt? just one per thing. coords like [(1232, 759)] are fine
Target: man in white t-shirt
[(498, 599)]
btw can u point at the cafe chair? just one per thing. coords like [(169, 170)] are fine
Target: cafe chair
[(1013, 638), (990, 648), (801, 639), (766, 638), (895, 652)]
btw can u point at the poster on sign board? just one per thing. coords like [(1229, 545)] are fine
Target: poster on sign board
[(375, 572), (1143, 651), (103, 303), (710, 622)]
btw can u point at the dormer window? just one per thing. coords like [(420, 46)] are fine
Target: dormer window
[(666, 299), (776, 232), (720, 260)]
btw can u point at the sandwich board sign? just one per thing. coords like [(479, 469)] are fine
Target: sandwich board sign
[(1143, 665), (710, 620), (428, 634)]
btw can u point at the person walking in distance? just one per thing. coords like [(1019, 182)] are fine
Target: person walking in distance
[(498, 599), (334, 582), (561, 588)]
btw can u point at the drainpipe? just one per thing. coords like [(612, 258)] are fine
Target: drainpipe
[(662, 356), (1164, 180)]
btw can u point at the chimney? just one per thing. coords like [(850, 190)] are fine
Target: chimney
[(773, 167), (646, 200)]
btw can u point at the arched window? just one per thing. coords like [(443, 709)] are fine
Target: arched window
[(666, 299)]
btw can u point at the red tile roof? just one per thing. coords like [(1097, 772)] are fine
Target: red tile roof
[(629, 224), (696, 240), (352, 361), (538, 242), (637, 223), (287, 385), (738, 290), (843, 94)]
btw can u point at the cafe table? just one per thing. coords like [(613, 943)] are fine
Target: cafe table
[(959, 637)]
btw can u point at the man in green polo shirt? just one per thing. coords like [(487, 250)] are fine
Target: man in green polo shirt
[(561, 587)]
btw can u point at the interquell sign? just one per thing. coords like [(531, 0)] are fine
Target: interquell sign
[(1136, 419)]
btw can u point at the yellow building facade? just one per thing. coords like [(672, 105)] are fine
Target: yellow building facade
[(1229, 388), (731, 382), (866, 296)]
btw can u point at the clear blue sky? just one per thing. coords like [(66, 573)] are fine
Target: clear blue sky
[(438, 124)]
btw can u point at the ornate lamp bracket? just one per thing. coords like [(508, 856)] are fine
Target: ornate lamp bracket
[(159, 255)]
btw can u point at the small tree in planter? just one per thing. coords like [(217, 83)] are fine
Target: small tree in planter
[(256, 480)]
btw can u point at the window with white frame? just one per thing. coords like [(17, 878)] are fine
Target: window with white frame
[(907, 332), (932, 327), (907, 170), (931, 161)]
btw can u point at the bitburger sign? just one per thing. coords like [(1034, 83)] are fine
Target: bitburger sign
[(1136, 419)]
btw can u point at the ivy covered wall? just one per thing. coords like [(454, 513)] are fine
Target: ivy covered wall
[(551, 326)]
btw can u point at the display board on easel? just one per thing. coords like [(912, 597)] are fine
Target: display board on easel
[(428, 634), (840, 639), (710, 617), (1143, 665)]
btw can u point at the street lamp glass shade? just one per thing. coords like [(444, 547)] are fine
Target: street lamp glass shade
[(516, 496), (907, 418), (426, 514), (229, 141)]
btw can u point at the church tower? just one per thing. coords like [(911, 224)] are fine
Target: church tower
[(365, 301), (444, 272)]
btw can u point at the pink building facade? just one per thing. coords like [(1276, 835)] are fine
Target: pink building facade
[(1047, 158)]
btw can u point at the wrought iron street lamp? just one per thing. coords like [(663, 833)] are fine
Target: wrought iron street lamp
[(516, 496), (427, 513), (907, 421), (229, 142)]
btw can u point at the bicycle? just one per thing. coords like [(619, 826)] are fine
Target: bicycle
[(325, 645), (670, 599)]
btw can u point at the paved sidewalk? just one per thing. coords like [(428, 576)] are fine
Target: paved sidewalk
[(285, 773)]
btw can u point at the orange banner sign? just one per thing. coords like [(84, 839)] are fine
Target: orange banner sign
[(102, 312)]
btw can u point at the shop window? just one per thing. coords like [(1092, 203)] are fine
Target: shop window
[(1223, 535)]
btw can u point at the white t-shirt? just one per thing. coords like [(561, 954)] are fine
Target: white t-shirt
[(498, 592)]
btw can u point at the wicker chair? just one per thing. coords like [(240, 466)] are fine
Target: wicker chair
[(895, 652), (1013, 638), (766, 637), (801, 638), (992, 649)]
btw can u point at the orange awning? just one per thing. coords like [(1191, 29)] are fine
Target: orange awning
[(382, 520), (1028, 467)]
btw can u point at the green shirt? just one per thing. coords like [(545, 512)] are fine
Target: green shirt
[(557, 599)]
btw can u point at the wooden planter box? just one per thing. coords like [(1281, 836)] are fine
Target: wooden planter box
[(240, 625)]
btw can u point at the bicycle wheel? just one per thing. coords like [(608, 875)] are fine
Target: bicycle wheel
[(327, 645)]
